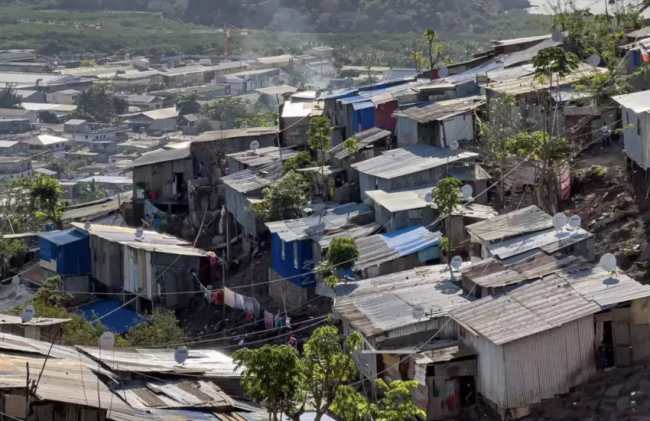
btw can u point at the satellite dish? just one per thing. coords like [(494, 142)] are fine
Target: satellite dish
[(593, 60), (418, 312), (28, 314), (467, 191), (453, 145), (139, 233), (428, 197), (456, 262), (608, 262), (574, 222), (254, 145), (107, 340), (443, 71), (181, 354), (559, 221)]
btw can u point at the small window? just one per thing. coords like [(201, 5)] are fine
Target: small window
[(295, 255), (638, 126), (284, 251)]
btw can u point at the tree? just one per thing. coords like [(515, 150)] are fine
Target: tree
[(95, 104), (351, 145), (45, 194), (396, 403), (320, 143), (188, 104), (435, 49), (341, 255), (162, 328), (446, 197), (284, 199), (274, 376), (300, 160), (227, 111), (10, 250), (8, 97)]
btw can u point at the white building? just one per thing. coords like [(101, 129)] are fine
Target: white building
[(635, 110)]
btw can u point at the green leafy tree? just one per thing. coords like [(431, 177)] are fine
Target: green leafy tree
[(95, 104), (446, 197), (260, 119), (284, 199), (188, 104), (8, 97), (227, 111), (301, 160), (273, 375), (342, 253), (435, 49), (396, 403), (351, 145), (45, 195), (10, 250), (163, 327), (320, 143)]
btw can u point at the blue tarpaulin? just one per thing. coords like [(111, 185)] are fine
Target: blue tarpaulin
[(119, 320), (363, 117), (69, 250), (412, 240)]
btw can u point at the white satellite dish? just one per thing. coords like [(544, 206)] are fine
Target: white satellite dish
[(254, 145), (608, 262), (594, 60), (139, 234), (107, 340), (454, 145), (467, 191), (443, 71), (574, 222), (428, 197), (456, 262), (559, 221), (181, 354), (28, 314), (418, 312)]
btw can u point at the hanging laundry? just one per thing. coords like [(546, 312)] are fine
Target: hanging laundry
[(269, 320), (239, 301), (217, 297), (229, 297)]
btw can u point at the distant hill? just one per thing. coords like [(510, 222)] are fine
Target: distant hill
[(467, 16)]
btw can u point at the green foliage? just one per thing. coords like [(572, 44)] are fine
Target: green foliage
[(396, 403), (320, 136), (554, 61), (284, 199), (88, 192), (227, 110), (274, 376), (95, 104), (163, 327), (446, 195), (538, 146), (8, 97), (301, 160), (188, 104), (45, 199), (9, 250), (351, 145), (257, 119), (342, 252)]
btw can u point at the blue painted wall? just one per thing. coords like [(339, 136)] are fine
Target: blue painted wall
[(286, 267), (70, 249)]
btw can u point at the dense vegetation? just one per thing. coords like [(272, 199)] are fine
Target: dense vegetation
[(109, 29)]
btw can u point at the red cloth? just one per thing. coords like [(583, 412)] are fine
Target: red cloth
[(217, 297)]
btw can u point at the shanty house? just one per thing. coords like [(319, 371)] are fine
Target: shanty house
[(635, 109), (66, 253), (442, 124), (47, 143), (546, 337), (297, 245), (38, 328), (525, 231), (14, 167), (146, 264), (407, 167), (154, 121), (162, 177), (296, 115)]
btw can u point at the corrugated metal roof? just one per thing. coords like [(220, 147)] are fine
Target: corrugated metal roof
[(161, 155), (61, 238), (354, 233), (262, 156), (364, 139), (410, 159), (377, 305), (96, 209), (332, 219), (219, 135), (469, 173), (528, 84), (639, 102), (161, 114), (563, 296), (521, 40), (399, 201), (442, 110), (7, 319), (277, 90), (512, 224), (174, 394), (549, 241), (45, 140), (382, 248), (251, 179)]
